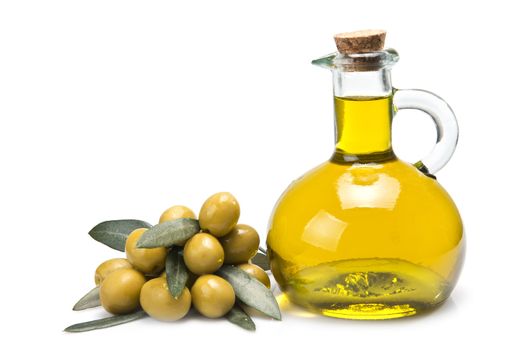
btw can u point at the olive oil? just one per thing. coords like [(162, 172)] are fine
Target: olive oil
[(365, 235), (368, 288), (363, 135)]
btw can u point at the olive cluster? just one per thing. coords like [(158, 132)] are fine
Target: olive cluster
[(139, 280)]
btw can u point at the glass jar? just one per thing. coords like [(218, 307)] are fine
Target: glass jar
[(366, 235)]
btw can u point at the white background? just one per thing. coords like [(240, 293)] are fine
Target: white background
[(120, 109)]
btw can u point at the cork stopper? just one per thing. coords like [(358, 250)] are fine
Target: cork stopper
[(360, 41)]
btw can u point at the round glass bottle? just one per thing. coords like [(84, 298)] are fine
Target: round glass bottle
[(366, 235)]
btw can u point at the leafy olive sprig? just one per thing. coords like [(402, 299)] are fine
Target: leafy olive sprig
[(171, 234)]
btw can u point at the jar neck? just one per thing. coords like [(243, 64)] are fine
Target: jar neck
[(363, 114)]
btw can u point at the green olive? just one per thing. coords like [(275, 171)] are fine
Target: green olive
[(108, 266), (120, 291), (240, 245), (219, 214), (203, 254), (212, 296), (257, 272), (157, 301), (176, 212), (150, 261)]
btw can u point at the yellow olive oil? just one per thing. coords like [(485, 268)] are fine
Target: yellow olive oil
[(365, 235), (357, 135)]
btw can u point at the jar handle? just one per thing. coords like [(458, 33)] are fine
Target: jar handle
[(444, 119)]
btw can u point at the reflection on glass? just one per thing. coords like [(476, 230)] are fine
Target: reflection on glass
[(324, 231), (363, 188)]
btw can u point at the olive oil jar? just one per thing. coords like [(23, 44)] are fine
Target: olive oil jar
[(366, 235)]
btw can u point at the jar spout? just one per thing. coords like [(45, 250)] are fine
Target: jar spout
[(325, 61), (358, 62)]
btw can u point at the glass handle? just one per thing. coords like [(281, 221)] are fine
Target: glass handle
[(445, 121)]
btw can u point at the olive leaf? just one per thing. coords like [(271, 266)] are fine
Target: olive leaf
[(91, 299), (176, 272), (261, 260), (114, 233), (249, 290), (105, 322), (169, 233), (239, 317)]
